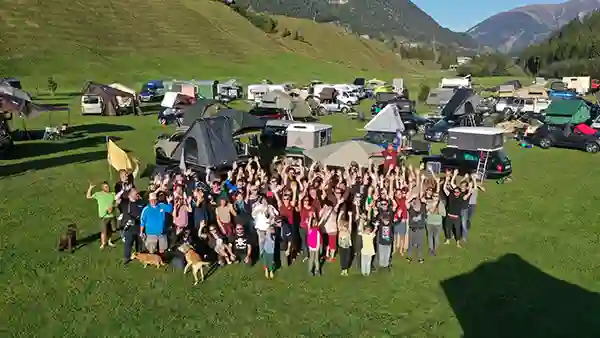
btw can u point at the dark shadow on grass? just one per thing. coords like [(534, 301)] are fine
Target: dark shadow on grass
[(98, 128), (54, 106), (512, 298), (69, 94), (46, 163), (34, 149), (152, 108), (88, 240)]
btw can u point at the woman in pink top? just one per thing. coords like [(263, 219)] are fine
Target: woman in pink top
[(314, 242), (306, 211), (182, 206)]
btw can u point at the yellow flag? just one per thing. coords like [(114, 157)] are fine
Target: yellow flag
[(118, 158)]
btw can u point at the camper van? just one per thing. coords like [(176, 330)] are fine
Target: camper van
[(580, 84), (256, 92), (456, 82)]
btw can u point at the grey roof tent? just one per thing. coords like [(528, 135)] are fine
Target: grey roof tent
[(242, 121), (202, 108), (464, 101), (439, 96), (208, 143), (387, 121), (476, 138)]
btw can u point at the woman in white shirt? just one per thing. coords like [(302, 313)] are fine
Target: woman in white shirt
[(263, 216)]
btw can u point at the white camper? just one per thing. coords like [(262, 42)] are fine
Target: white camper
[(255, 92), (456, 82), (579, 84)]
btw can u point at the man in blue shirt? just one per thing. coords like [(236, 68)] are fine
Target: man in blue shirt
[(152, 223)]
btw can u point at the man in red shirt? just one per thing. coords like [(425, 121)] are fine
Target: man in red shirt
[(390, 158)]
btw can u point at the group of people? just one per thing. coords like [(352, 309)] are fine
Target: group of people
[(288, 213)]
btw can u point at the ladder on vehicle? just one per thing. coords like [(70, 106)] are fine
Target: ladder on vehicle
[(482, 165), (469, 121)]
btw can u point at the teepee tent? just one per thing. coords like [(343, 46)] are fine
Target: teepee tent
[(387, 121), (342, 153)]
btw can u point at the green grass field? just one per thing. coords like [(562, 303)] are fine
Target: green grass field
[(529, 269), (531, 254)]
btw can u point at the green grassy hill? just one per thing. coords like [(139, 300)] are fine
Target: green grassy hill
[(133, 40)]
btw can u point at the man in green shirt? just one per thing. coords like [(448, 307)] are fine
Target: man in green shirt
[(106, 211)]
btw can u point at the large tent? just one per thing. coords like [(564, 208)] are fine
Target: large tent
[(109, 95), (464, 101), (342, 153), (207, 143), (241, 120), (439, 96), (387, 121), (15, 100), (276, 99), (202, 108), (301, 108)]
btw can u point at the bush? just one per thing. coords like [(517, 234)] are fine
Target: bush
[(424, 93), (262, 21)]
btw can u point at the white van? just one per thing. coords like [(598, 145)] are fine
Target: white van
[(91, 105)]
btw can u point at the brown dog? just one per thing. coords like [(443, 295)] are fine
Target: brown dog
[(148, 259), (193, 261), (68, 240)]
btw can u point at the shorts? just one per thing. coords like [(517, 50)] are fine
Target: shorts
[(107, 225), (400, 228), (153, 240)]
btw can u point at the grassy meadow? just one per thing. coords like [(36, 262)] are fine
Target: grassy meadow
[(529, 269)]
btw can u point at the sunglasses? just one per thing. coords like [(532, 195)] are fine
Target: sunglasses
[(239, 229)]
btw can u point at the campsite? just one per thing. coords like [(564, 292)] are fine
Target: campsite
[(56, 173), (156, 84)]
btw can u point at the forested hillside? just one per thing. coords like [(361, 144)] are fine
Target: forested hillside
[(400, 18), (572, 51)]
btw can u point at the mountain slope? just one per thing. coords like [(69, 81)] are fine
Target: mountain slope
[(573, 50), (373, 17), (518, 28), (132, 40)]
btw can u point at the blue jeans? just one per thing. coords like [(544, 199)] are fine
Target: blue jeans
[(466, 215)]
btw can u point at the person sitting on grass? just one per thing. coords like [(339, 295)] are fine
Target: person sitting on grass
[(106, 205), (153, 223), (217, 242)]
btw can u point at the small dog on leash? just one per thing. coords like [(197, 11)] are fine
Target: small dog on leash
[(149, 259), (68, 240), (193, 261)]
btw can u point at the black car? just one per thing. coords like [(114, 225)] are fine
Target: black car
[(566, 136), (498, 164), (438, 132), (413, 122)]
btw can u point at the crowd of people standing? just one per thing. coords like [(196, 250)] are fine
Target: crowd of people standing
[(288, 213)]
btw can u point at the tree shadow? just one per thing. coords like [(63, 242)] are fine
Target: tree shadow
[(59, 106), (148, 109), (46, 163), (35, 148), (512, 298), (97, 128), (47, 95)]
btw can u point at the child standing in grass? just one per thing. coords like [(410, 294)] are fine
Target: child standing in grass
[(345, 246), (268, 251), (314, 247), (368, 249)]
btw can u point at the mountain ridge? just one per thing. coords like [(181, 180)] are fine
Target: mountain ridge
[(513, 30)]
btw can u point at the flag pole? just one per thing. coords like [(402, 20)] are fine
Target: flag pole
[(108, 159)]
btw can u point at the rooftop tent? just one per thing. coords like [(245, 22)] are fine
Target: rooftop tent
[(404, 106), (241, 120), (506, 91), (387, 121), (207, 143), (301, 109), (375, 83), (276, 99), (385, 96), (328, 93), (383, 89), (110, 103), (532, 92), (173, 99), (567, 111), (342, 153), (439, 96), (462, 102), (202, 108), (558, 86), (476, 138)]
